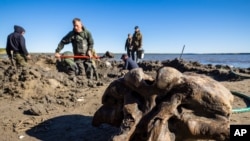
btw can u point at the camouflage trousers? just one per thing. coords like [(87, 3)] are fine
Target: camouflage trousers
[(86, 67), (20, 60), (92, 70), (81, 66)]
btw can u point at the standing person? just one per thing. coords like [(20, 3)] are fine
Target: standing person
[(129, 63), (82, 43), (128, 45), (16, 47), (136, 43)]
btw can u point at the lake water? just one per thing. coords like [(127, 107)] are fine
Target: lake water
[(233, 60)]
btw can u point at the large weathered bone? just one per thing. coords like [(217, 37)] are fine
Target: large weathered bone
[(173, 106)]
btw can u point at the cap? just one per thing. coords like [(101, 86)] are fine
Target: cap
[(136, 27), (123, 56)]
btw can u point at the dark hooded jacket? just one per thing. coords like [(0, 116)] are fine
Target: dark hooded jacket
[(16, 42), (130, 64)]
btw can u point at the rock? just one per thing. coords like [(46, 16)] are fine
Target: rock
[(53, 83), (37, 110)]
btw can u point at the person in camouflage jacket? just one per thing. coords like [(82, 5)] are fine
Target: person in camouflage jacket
[(136, 43), (82, 42)]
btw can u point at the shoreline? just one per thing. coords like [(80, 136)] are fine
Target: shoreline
[(199, 58)]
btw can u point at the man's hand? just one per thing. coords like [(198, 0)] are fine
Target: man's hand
[(57, 55), (90, 54), (28, 57)]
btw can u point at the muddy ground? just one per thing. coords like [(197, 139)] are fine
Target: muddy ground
[(41, 103)]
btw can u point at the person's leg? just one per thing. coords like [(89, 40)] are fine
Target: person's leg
[(137, 56), (128, 52), (91, 73), (133, 54), (88, 68), (72, 69), (80, 65), (20, 60), (95, 72)]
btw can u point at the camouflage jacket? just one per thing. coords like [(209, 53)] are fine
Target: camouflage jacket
[(81, 42), (137, 40)]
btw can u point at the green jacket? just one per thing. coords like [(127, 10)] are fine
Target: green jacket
[(81, 42), (137, 40), (69, 62)]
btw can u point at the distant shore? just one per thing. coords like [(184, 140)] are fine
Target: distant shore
[(161, 53), (2, 51), (238, 60)]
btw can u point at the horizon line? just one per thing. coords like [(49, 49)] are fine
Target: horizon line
[(154, 53), (3, 52)]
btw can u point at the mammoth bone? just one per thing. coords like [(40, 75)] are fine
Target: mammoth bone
[(174, 106)]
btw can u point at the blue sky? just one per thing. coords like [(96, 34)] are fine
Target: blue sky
[(203, 26)]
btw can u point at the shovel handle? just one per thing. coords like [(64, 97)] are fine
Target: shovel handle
[(83, 57)]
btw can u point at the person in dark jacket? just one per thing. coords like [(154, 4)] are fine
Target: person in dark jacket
[(82, 43), (129, 63), (128, 45), (16, 47)]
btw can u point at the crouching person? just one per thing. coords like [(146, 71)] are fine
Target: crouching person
[(69, 65), (129, 64)]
